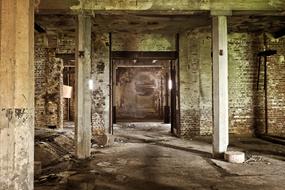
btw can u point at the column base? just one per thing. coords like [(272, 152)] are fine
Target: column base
[(218, 155)]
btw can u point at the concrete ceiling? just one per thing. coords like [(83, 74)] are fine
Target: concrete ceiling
[(160, 23), (56, 6), (253, 23)]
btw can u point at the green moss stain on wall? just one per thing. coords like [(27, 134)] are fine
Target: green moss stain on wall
[(143, 42)]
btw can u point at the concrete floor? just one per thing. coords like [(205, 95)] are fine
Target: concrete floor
[(147, 157)]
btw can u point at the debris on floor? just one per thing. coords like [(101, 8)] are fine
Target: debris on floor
[(150, 159), (53, 152), (256, 158)]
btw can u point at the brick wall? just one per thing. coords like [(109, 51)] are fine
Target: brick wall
[(66, 43), (246, 103), (41, 55), (205, 82), (244, 98), (189, 84), (276, 88)]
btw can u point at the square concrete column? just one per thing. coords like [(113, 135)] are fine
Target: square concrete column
[(16, 94), (220, 85), (83, 93)]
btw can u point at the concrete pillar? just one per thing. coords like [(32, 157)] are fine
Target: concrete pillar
[(220, 85), (16, 94), (83, 93)]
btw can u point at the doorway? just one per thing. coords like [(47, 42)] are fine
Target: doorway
[(144, 89), (69, 95)]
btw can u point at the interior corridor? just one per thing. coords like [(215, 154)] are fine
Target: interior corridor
[(142, 94)]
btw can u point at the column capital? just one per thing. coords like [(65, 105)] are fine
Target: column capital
[(221, 12)]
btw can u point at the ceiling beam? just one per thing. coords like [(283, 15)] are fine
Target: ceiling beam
[(157, 55), (69, 6)]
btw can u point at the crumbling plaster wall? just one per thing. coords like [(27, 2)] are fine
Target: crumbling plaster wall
[(143, 42), (100, 74), (48, 84), (54, 90)]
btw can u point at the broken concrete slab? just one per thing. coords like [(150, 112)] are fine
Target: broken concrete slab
[(259, 168)]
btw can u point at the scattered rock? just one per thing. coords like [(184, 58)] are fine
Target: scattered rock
[(94, 171), (45, 153), (65, 141), (48, 178), (104, 140), (121, 178), (103, 164), (109, 170), (131, 125), (122, 161), (255, 159)]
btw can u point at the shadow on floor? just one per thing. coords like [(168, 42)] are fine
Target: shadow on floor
[(159, 142)]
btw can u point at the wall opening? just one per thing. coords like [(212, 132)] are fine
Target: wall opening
[(142, 87)]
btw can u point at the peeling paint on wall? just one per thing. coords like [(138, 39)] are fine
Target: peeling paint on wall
[(143, 42)]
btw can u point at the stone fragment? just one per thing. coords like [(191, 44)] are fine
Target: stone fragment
[(121, 178), (104, 164), (234, 157)]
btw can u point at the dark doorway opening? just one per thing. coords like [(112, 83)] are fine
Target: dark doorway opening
[(144, 88), (69, 103)]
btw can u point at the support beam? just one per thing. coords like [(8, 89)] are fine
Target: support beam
[(220, 85), (16, 94), (83, 93), (67, 6)]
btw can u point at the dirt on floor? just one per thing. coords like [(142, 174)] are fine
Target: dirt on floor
[(145, 156)]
